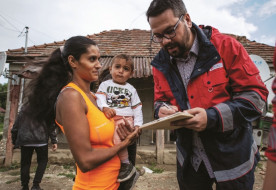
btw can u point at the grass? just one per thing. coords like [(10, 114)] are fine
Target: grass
[(1, 126), (156, 169), (69, 175), (12, 167), (15, 173), (12, 181), (70, 167), (1, 130), (33, 169)]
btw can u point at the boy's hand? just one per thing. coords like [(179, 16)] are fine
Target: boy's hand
[(109, 112)]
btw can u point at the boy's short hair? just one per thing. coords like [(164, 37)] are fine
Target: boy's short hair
[(125, 57)]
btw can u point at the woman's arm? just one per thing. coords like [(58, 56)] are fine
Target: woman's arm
[(71, 114)]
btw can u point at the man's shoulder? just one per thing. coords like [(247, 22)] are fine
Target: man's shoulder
[(223, 39)]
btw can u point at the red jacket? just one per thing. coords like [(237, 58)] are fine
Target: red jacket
[(227, 84), (271, 150)]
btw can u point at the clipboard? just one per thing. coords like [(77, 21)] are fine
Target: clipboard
[(164, 122)]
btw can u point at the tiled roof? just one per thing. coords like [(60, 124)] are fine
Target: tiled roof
[(133, 42), (253, 47)]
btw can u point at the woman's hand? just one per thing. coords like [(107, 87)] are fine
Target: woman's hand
[(126, 133), (139, 130)]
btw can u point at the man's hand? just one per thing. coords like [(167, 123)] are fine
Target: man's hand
[(197, 123), (109, 112), (54, 147), (165, 111)]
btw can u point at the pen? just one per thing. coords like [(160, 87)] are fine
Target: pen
[(166, 105)]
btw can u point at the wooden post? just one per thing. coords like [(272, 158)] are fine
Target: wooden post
[(160, 146), (167, 132), (14, 97)]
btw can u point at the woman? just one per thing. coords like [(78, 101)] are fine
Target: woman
[(64, 83), (30, 136)]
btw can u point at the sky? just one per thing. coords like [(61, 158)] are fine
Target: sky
[(56, 20)]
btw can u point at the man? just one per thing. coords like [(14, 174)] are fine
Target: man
[(211, 76), (32, 136), (270, 176)]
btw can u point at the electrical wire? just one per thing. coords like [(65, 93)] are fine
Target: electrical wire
[(9, 29), (33, 29), (136, 18), (10, 23)]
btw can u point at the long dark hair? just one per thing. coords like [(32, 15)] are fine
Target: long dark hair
[(55, 74)]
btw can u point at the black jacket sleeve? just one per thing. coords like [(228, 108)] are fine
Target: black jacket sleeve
[(15, 128), (53, 134)]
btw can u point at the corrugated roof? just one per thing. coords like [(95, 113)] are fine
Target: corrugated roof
[(133, 42)]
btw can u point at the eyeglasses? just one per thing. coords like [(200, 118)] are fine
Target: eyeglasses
[(158, 38)]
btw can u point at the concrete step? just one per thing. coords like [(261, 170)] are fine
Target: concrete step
[(145, 155)]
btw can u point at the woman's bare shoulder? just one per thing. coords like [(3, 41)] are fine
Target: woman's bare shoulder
[(69, 93), (69, 98)]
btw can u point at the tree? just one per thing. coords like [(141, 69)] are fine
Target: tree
[(3, 100), (3, 95)]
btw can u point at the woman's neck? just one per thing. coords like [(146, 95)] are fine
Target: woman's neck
[(85, 86)]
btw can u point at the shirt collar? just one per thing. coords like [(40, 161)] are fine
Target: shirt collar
[(194, 50)]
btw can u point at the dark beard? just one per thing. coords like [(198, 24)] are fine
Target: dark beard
[(175, 54), (183, 50)]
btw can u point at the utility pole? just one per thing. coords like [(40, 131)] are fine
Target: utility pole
[(14, 97), (26, 40)]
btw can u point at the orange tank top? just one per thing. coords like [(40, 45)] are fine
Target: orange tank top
[(103, 177)]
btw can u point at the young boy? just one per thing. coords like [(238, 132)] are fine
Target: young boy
[(118, 99)]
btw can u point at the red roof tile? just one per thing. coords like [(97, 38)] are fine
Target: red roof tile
[(135, 42)]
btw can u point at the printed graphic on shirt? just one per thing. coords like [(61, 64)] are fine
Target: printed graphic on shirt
[(118, 97)]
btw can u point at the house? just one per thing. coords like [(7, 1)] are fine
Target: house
[(133, 42)]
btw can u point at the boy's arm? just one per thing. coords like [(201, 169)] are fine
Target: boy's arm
[(101, 100), (138, 115), (137, 109), (101, 96)]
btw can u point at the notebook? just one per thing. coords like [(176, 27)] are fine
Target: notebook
[(164, 122)]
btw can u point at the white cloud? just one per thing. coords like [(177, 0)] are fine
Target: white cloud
[(51, 20), (216, 13), (268, 8), (267, 39)]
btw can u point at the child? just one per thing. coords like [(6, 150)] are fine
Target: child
[(118, 99)]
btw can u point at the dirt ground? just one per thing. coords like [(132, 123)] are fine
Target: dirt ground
[(59, 177)]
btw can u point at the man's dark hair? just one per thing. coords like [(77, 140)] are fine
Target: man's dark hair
[(159, 6)]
